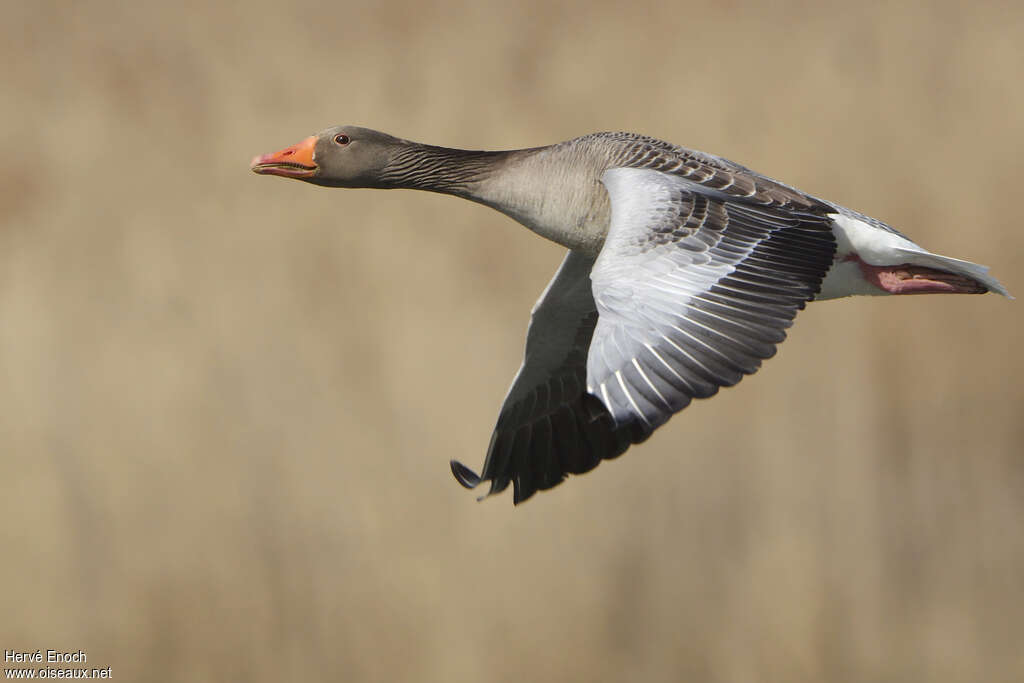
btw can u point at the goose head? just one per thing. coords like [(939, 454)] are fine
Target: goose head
[(342, 156)]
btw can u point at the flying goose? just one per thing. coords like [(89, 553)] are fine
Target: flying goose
[(683, 272)]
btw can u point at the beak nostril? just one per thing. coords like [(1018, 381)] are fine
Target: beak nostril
[(294, 161)]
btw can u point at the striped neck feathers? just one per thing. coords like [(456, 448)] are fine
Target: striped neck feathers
[(458, 172)]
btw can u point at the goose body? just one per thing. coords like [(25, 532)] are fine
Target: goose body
[(683, 272)]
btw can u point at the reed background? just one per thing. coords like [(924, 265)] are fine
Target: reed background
[(227, 402)]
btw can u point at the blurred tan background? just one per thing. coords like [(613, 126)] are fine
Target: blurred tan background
[(227, 402)]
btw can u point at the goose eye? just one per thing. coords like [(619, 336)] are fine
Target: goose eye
[(342, 139)]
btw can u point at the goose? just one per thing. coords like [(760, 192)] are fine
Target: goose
[(682, 274)]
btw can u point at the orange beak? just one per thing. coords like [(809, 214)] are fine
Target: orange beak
[(292, 162)]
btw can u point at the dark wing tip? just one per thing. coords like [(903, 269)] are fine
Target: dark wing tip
[(521, 496), (464, 475)]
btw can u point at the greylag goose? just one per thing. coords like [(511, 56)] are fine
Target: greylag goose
[(682, 274)]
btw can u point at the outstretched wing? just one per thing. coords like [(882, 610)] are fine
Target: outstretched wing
[(694, 288), (549, 426), (702, 271)]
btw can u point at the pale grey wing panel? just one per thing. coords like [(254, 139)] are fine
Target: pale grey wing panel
[(712, 174), (549, 426), (693, 291)]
